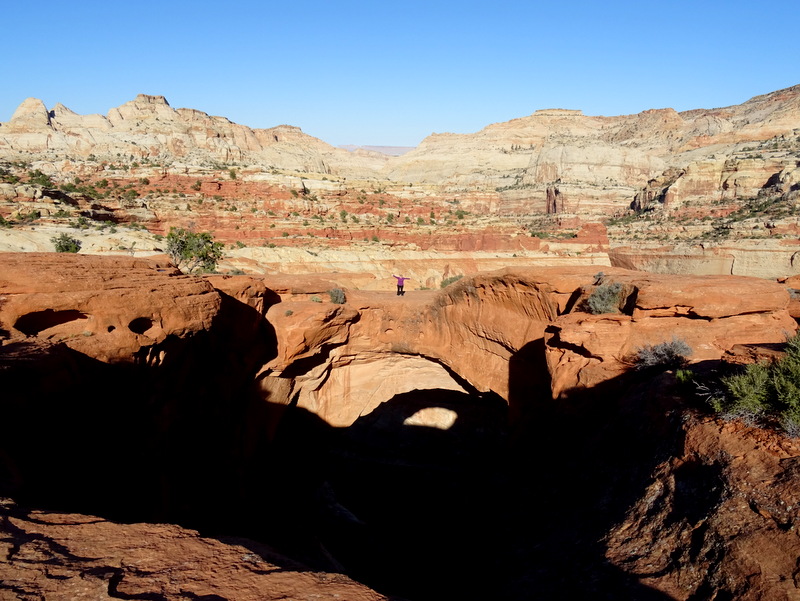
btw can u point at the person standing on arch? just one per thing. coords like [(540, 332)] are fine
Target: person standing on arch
[(400, 283)]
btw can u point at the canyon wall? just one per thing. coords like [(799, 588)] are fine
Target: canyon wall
[(595, 165)]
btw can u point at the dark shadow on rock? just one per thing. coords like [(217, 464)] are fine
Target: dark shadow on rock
[(430, 496), (420, 499), (152, 440), (463, 511), (528, 379), (578, 464)]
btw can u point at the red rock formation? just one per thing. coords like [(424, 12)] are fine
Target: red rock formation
[(719, 516), (180, 420), (53, 555), (107, 308), (490, 318)]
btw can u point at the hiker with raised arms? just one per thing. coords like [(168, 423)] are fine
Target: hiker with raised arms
[(400, 283)]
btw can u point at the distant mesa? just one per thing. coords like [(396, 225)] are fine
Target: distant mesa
[(558, 113), (392, 151)]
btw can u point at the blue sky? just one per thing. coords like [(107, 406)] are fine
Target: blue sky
[(391, 73)]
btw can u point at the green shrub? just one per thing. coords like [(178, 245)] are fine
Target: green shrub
[(684, 377), (452, 279), (668, 355), (40, 179), (747, 392), (337, 296), (65, 244), (193, 251), (289, 313), (766, 390), (28, 217), (605, 298), (447, 281), (316, 299)]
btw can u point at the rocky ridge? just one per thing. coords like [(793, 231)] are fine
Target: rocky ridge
[(589, 160), (708, 179)]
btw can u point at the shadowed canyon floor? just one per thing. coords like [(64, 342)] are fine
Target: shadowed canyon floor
[(484, 441)]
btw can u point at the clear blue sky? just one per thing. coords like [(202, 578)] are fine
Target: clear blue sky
[(392, 72)]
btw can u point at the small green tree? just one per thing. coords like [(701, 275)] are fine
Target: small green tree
[(192, 251), (65, 244)]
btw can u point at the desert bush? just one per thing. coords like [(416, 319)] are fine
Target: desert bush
[(316, 299), (766, 390), (30, 216), (790, 422), (193, 251), (447, 281), (40, 179), (337, 296), (65, 244), (684, 377), (605, 298), (668, 355)]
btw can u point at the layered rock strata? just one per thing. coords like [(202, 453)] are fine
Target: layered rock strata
[(551, 161)]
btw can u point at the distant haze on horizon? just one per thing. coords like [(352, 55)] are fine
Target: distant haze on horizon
[(390, 74)]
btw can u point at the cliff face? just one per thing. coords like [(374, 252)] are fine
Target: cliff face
[(494, 424), (714, 191), (599, 164), (149, 127)]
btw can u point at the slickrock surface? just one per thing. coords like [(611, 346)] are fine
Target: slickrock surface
[(104, 307), (335, 358), (65, 556), (498, 330)]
